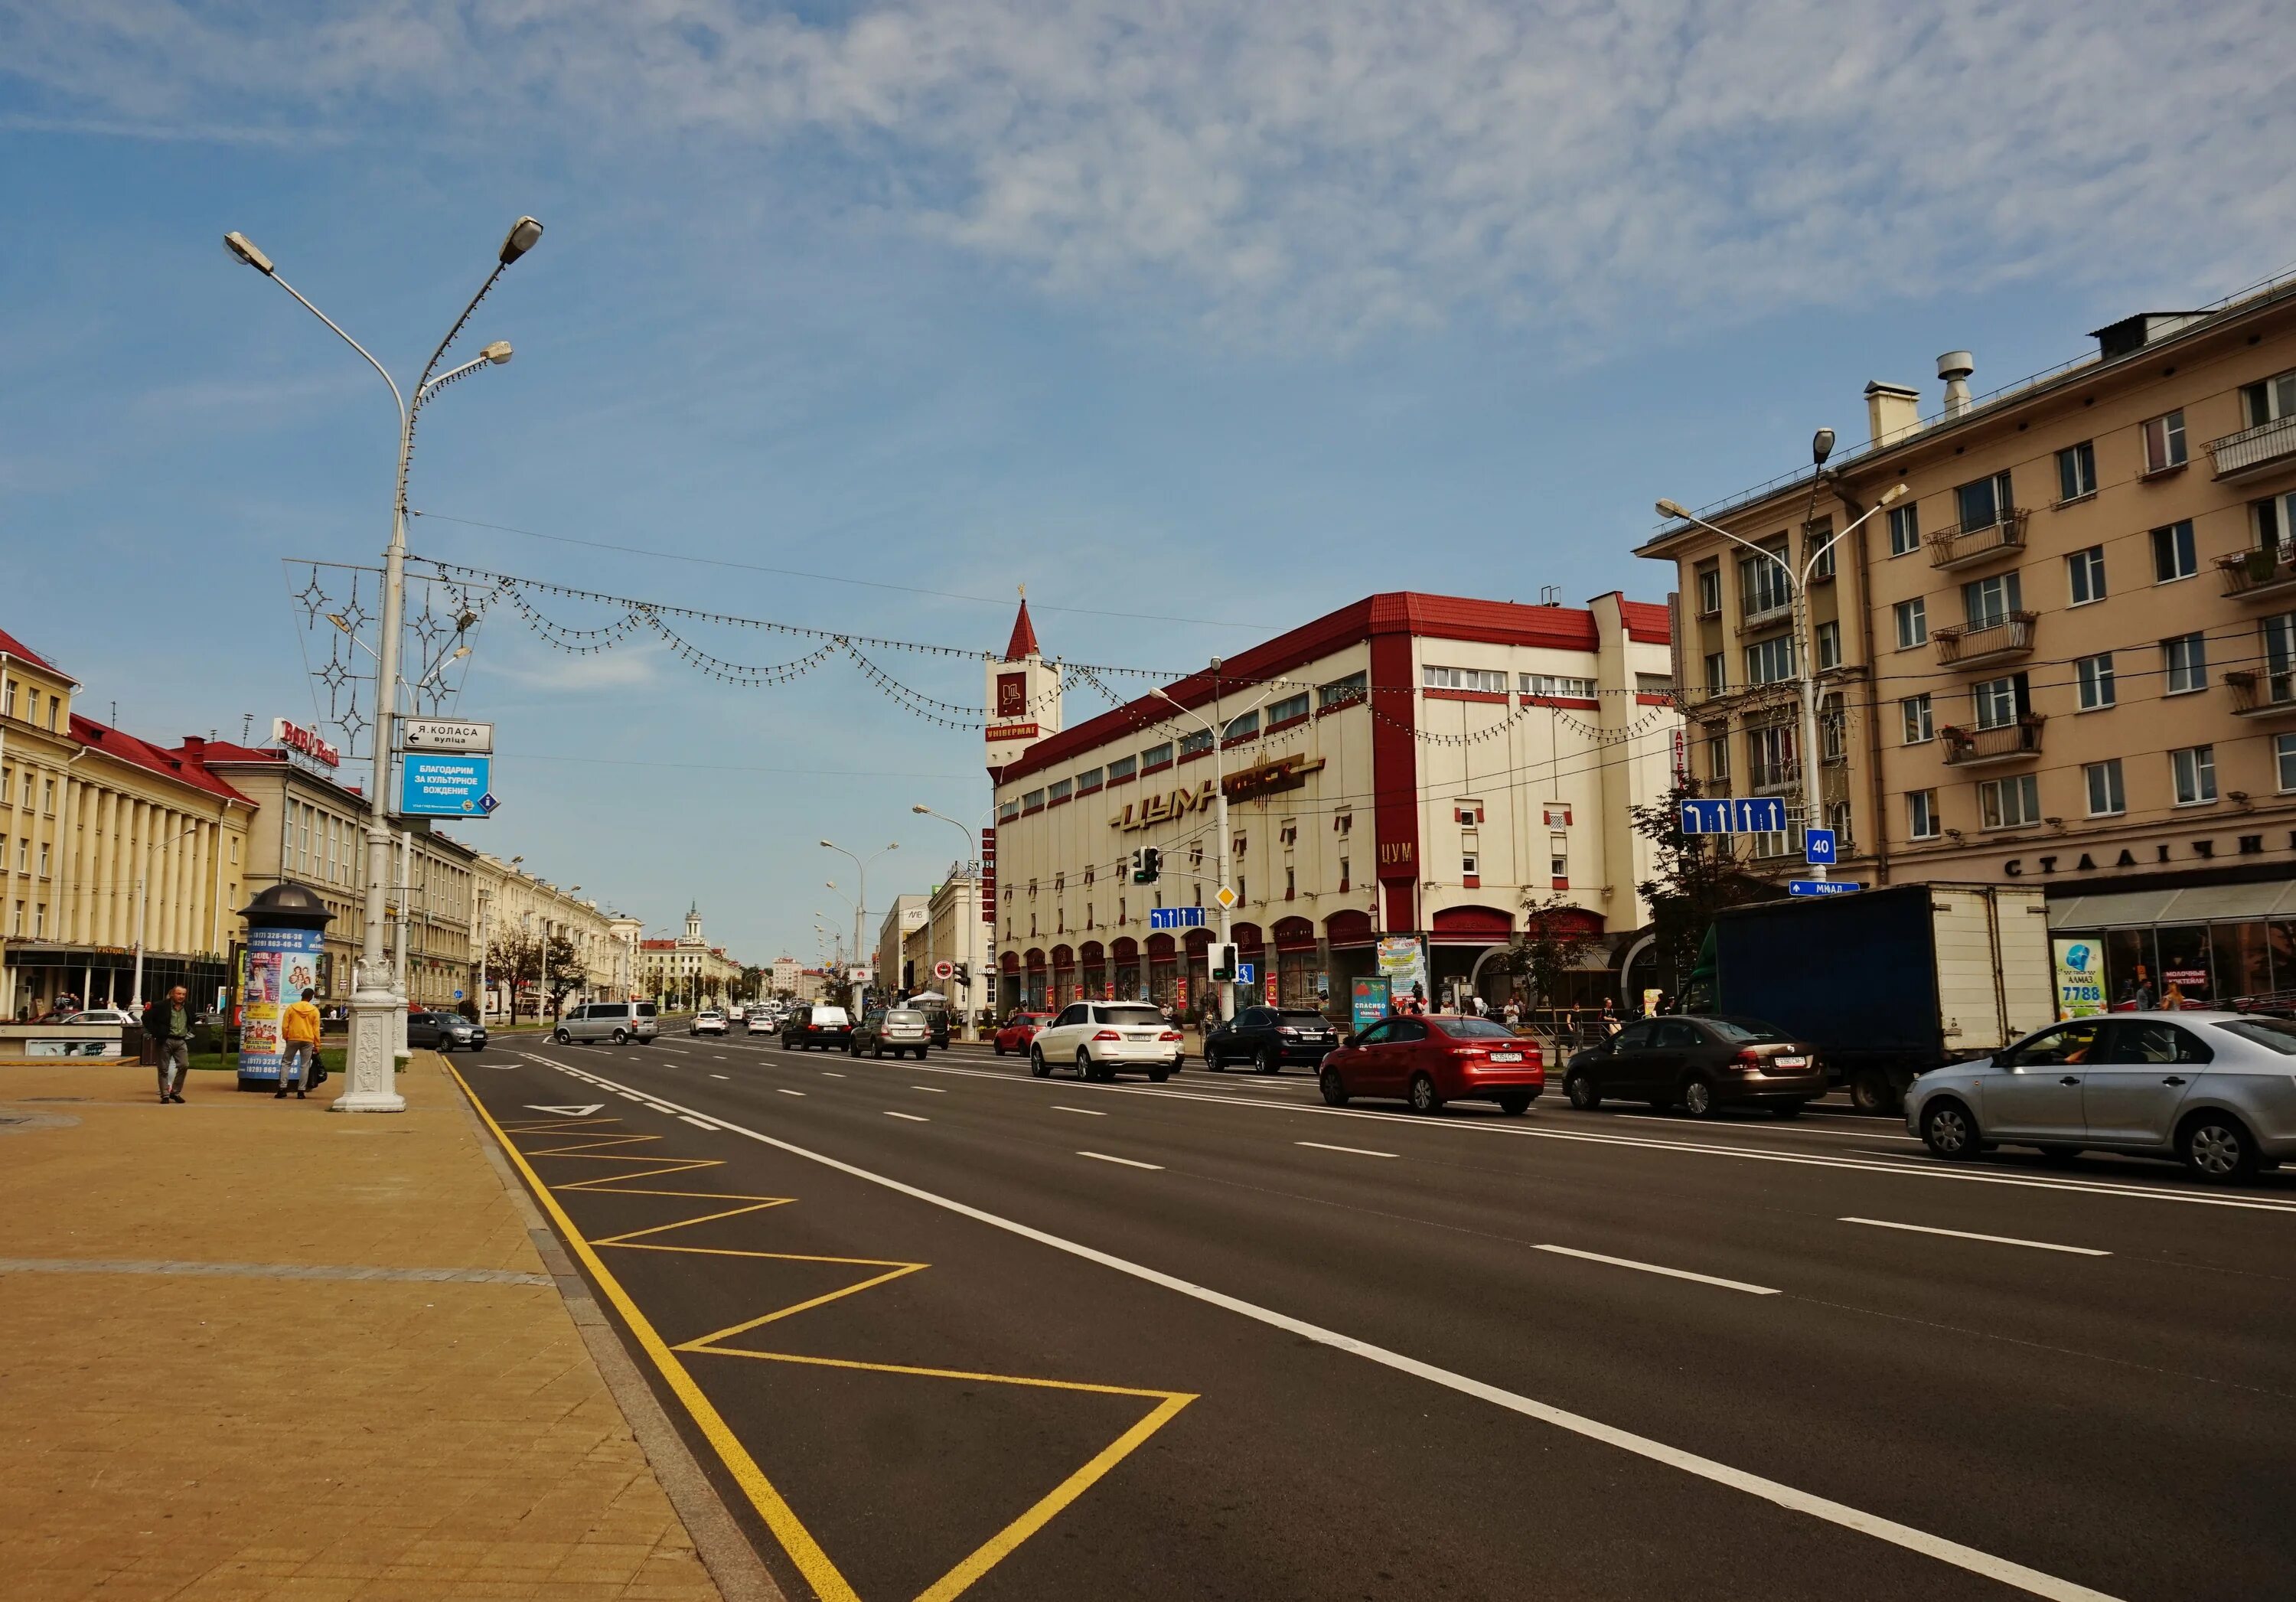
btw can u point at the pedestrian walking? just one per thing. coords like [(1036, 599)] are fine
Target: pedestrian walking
[(1513, 1012), (167, 1025), (1608, 1023), (298, 1028)]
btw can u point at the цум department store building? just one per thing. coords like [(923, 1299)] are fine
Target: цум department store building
[(1425, 764)]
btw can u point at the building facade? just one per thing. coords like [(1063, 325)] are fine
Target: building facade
[(2067, 655), (108, 844), (518, 913), (688, 969), (1410, 767), (952, 931), (904, 917)]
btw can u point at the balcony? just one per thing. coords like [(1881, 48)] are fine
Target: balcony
[(2254, 451), (2265, 574), (2261, 695), (1981, 645), (2003, 743), (1768, 617), (1966, 546)]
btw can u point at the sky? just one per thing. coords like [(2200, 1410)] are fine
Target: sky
[(1199, 319)]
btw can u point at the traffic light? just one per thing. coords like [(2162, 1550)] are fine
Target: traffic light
[(1147, 862), (964, 974), (1223, 959)]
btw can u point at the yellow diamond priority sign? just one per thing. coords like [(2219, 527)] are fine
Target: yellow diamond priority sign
[(1226, 897)]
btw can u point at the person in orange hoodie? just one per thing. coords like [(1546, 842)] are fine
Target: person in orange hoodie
[(298, 1028)]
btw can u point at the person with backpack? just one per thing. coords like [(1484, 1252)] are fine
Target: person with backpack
[(298, 1029)]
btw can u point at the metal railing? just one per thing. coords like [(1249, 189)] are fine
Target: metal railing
[(2012, 635), (2255, 693), (2260, 571), (2002, 743), (1965, 543), (2266, 445)]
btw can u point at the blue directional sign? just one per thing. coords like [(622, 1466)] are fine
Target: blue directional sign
[(1818, 847), (1175, 917), (1760, 815), (439, 785), (1706, 816), (1246, 974), (1822, 887)]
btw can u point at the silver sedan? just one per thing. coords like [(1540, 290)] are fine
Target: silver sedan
[(2214, 1091)]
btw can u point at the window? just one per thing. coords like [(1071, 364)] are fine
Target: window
[(2085, 575), (1195, 743), (1155, 757), (1770, 661), (2172, 553), (1061, 789), (1122, 768), (2284, 761), (1984, 502), (1489, 680), (1468, 861), (2194, 771), (2164, 442), (1770, 756), (1292, 882), (1987, 603), (1088, 781), (1717, 757), (1905, 530), (2077, 471), (1913, 623), (1919, 725), (1832, 727), (1240, 728), (1762, 581), (1818, 549), (1343, 824), (1006, 811), (2009, 803), (2280, 657), (1996, 701), (2106, 799), (2275, 524), (2184, 660), (1288, 710), (1709, 591), (1653, 684), (2269, 401), (1343, 692), (1343, 872), (1550, 685), (1032, 801), (1718, 677), (1829, 645), (2093, 675), (8, 705)]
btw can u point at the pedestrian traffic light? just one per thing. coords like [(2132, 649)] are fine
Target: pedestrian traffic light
[(1223, 965), (1147, 862)]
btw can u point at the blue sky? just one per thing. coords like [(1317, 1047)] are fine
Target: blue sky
[(1166, 311)]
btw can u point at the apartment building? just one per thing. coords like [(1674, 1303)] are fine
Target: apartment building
[(2065, 656)]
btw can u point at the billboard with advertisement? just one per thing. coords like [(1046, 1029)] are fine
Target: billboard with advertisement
[(1368, 1000), (1403, 962), (2080, 978), (275, 967)]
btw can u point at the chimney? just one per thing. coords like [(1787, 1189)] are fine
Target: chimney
[(1955, 366), (1892, 411)]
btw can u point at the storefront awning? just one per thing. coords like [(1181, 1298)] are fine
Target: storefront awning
[(2202, 904)]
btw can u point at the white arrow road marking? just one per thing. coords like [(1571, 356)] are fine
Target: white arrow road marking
[(567, 1111)]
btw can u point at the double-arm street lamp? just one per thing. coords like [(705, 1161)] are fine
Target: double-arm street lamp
[(375, 998), (1217, 727), (988, 962), (860, 906), (1804, 644)]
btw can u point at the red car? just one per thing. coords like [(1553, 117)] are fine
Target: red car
[(1430, 1060), (1019, 1030)]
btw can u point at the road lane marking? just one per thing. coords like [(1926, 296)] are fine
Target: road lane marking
[(1087, 1111), (1998, 1240), (1937, 1547), (1129, 1163), (930, 1089), (696, 1123), (910, 1117), (1358, 1151), (826, 1074), (786, 1091), (1653, 1268), (717, 1076)]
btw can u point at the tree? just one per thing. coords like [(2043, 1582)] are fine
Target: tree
[(511, 962), (1693, 877), (563, 973), (1552, 944)]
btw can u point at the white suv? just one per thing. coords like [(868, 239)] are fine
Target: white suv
[(708, 1021), (1101, 1037)]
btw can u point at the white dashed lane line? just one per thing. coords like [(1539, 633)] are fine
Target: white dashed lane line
[(1358, 1151), (909, 1117), (1998, 1240), (1127, 1161), (1087, 1111), (1653, 1268), (697, 1124), (930, 1089), (786, 1091)]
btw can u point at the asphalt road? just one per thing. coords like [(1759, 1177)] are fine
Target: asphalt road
[(942, 1328)]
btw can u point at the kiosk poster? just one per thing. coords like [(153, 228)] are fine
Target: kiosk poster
[(277, 966), (2080, 979)]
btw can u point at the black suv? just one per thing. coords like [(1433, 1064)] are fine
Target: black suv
[(1270, 1038), (829, 1027)]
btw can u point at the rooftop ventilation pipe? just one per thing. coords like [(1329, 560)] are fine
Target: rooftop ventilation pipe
[(1955, 366)]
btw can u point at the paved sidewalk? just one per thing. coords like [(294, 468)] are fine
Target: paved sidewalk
[(253, 1349)]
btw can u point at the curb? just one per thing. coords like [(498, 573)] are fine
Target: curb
[(726, 1554)]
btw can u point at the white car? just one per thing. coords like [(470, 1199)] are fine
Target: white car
[(711, 1021), (1098, 1038)]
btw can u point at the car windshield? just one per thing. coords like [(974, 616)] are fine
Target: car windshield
[(1474, 1028), (1303, 1020), (2273, 1034), (1746, 1032), (1137, 1016)]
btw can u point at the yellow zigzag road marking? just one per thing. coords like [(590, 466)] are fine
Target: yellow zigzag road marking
[(597, 1144)]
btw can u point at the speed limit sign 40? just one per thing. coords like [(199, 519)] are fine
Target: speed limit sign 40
[(942, 970)]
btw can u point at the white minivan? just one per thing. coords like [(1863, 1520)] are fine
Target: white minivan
[(619, 1022)]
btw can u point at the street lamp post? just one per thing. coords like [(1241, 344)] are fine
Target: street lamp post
[(1805, 646), (988, 961), (1219, 811), (860, 906), (372, 1055)]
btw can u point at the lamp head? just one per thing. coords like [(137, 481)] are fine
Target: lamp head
[(1895, 492), (497, 353), (520, 239), (1821, 446), (243, 249), (1666, 508), (830, 844), (921, 809)]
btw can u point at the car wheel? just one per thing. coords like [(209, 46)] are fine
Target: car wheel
[(621, 1037), (1212, 1062), (1788, 1109), (999, 1046), (1037, 1067), (1585, 1094), (1870, 1092), (1949, 1131), (1335, 1088), (878, 1051), (561, 1037), (2217, 1147), (1085, 1069), (1514, 1103), (1424, 1096), (1699, 1096), (1266, 1062)]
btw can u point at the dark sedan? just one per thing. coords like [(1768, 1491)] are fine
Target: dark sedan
[(445, 1031), (1271, 1039), (1702, 1063)]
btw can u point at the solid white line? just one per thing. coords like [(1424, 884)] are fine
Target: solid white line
[(1652, 1267), (1087, 1111), (717, 1076), (930, 1089), (696, 1123), (1129, 1163), (911, 1117), (1355, 1150), (826, 1074), (785, 1091), (1937, 1547), (1998, 1240)]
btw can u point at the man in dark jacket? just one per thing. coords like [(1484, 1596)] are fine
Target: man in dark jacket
[(167, 1025)]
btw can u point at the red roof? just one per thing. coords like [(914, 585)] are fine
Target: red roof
[(185, 766), (1023, 643), (1647, 622), (657, 945), (1399, 612), (15, 647)]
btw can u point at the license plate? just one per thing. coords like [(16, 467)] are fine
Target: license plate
[(1506, 1056), (1790, 1062)]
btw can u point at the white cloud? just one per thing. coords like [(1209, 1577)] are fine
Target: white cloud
[(1344, 166)]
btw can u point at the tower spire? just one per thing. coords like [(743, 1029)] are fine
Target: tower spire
[(1024, 643)]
